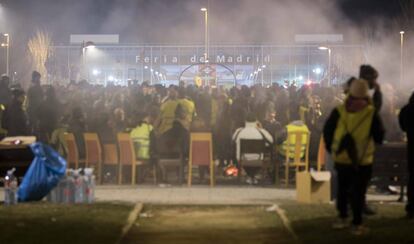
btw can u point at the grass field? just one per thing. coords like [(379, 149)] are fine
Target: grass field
[(102, 223), (48, 223)]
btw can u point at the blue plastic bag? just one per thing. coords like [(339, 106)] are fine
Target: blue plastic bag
[(44, 173)]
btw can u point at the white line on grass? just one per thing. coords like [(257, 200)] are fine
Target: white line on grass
[(282, 214), (130, 221)]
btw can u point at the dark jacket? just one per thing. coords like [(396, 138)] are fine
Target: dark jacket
[(406, 119), (377, 129), (14, 120)]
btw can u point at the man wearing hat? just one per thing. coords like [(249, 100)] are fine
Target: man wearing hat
[(14, 119), (350, 134)]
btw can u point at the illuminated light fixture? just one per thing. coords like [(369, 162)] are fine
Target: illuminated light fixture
[(402, 32), (203, 9), (323, 48), (255, 72), (263, 66), (259, 69), (111, 78), (95, 72), (156, 72), (145, 67), (309, 82), (317, 71), (152, 70), (5, 34)]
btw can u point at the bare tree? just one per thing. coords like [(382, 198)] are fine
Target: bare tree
[(40, 49)]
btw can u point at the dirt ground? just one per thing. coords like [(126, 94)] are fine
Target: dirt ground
[(218, 224)]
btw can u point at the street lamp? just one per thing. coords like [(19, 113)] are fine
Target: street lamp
[(206, 51), (401, 56), (7, 46), (329, 62)]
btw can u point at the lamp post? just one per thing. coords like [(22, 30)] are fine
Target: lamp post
[(7, 46), (329, 62), (401, 56), (206, 54)]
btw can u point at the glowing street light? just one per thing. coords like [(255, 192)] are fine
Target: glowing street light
[(329, 62), (206, 51), (401, 56), (7, 46)]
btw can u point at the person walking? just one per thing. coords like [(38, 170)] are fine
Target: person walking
[(350, 134), (406, 119)]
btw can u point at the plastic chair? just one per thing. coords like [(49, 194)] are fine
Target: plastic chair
[(256, 147), (72, 156), (127, 157), (169, 154), (93, 153), (201, 154), (297, 160), (321, 154), (110, 157)]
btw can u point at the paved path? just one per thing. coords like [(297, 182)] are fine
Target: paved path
[(194, 195), (227, 195)]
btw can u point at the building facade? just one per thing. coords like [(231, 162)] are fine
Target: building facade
[(227, 64)]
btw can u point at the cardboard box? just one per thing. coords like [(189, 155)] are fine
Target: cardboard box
[(313, 187)]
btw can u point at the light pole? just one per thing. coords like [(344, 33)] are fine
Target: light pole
[(7, 46), (329, 62), (401, 57), (206, 54)]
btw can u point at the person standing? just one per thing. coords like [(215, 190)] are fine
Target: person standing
[(406, 119), (350, 134), (34, 100), (5, 93), (14, 119)]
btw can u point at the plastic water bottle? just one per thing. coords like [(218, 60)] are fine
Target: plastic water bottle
[(89, 185), (67, 188), (10, 188), (55, 196), (79, 186)]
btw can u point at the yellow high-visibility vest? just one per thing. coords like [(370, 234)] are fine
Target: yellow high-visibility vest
[(292, 128), (141, 138), (359, 125), (167, 115), (189, 109)]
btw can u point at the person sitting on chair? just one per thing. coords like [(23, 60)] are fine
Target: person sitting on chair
[(251, 131)]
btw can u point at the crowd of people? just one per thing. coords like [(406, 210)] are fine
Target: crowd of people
[(150, 112)]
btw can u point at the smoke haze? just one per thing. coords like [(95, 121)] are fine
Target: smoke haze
[(231, 21)]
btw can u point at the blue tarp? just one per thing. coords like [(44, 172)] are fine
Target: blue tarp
[(44, 173)]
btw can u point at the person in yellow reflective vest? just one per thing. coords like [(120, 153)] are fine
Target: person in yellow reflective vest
[(167, 116), (142, 136), (187, 110), (296, 125), (350, 133)]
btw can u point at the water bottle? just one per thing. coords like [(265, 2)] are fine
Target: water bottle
[(89, 185), (55, 194), (67, 188), (10, 188), (79, 186)]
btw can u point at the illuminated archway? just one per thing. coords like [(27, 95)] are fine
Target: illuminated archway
[(207, 73)]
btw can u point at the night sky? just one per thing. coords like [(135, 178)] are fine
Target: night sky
[(179, 21)]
